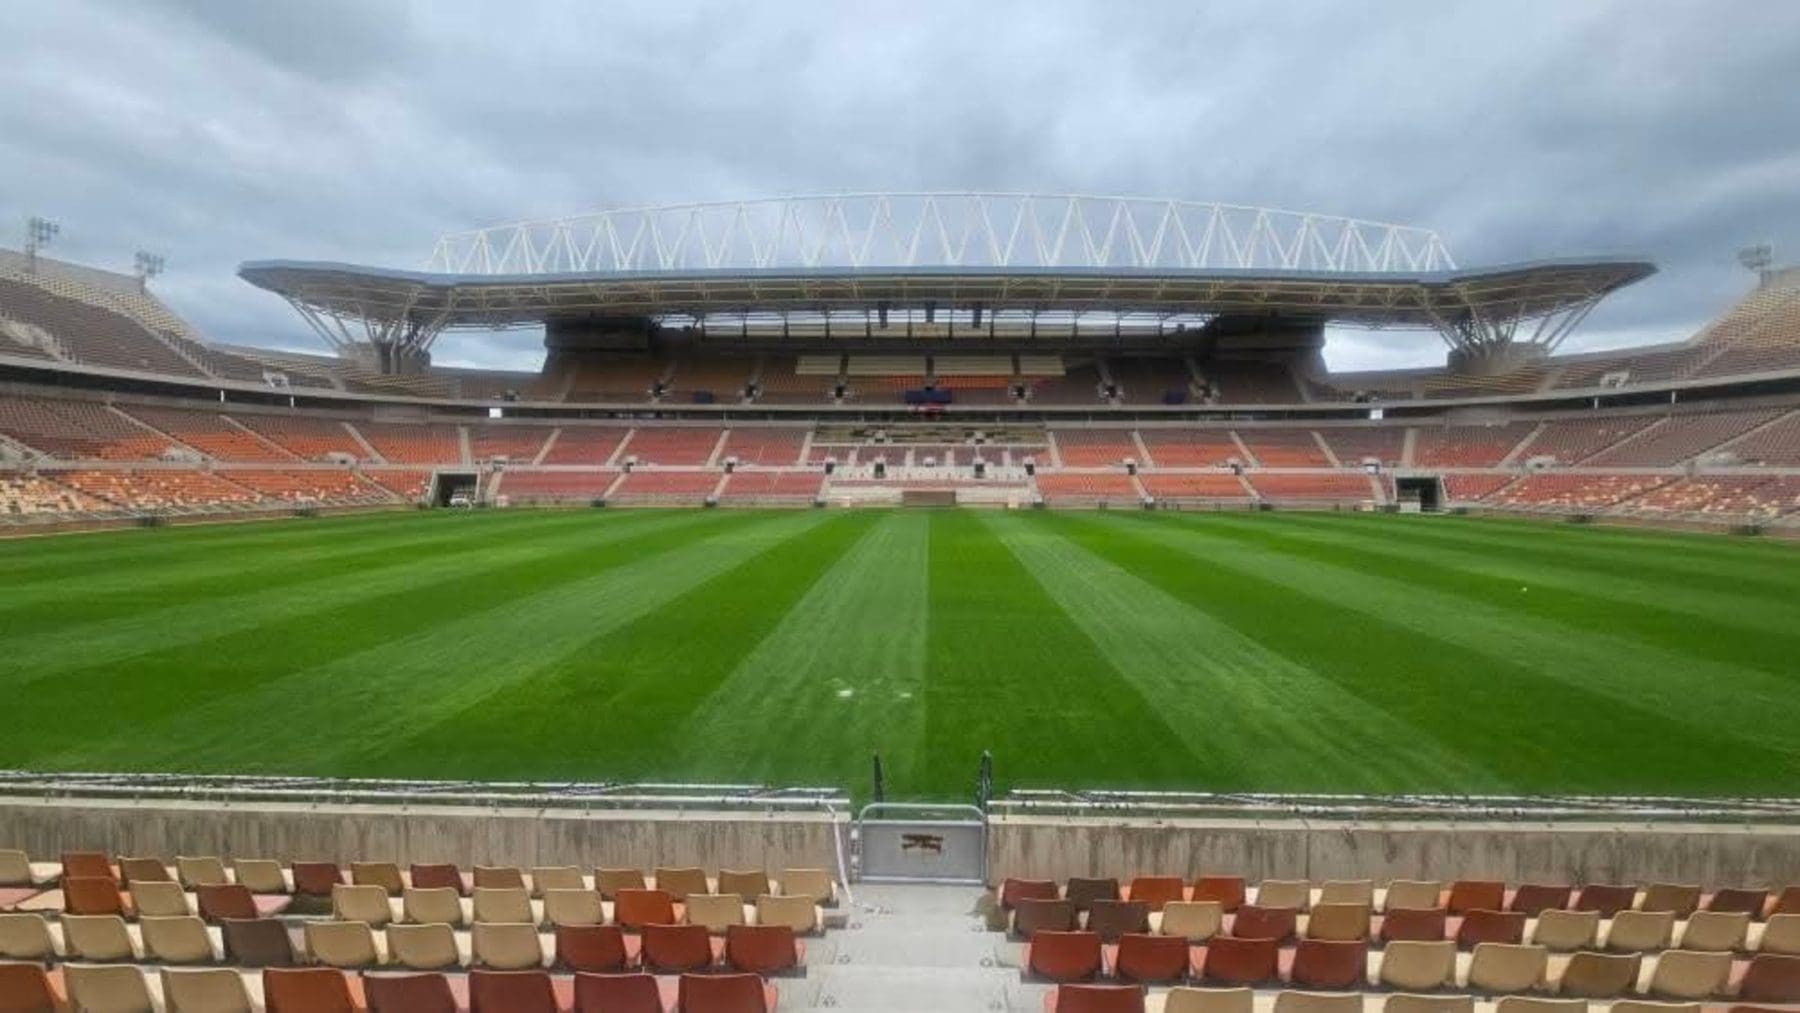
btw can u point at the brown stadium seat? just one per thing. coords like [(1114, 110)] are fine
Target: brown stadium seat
[(1290, 1001), (506, 946), (1193, 920), (1419, 894), (178, 940), (1780, 935), (1483, 926), (206, 990), (1771, 977), (1608, 899), (309, 990), (672, 949), (634, 909), (92, 895), (1294, 893), (425, 905), (143, 870), (554, 877), (1227, 890), (1750, 902), (88, 865), (1185, 999), (1682, 899), (226, 900), (680, 881), (26, 988), (1787, 902), (715, 912), (409, 993), (1110, 919), (1082, 890), (1476, 894), (591, 948), (383, 874), (1095, 999), (257, 942), (25, 935), (1227, 960), (501, 877), (744, 882), (1151, 960), (1567, 930), (1640, 931), (1715, 930), (723, 993), (1690, 974), (610, 881), (762, 949), (1418, 924), (1531, 898), (1418, 966), (202, 870), (261, 875), (1253, 921), (430, 947), (1508, 968), (1405, 1002), (314, 883), (617, 993), (97, 937), (1330, 963), (1063, 956), (1035, 914), (1013, 890), (512, 992), (438, 876), (502, 905), (158, 899), (1345, 922), (107, 988), (1600, 975), (571, 907), (1156, 890)]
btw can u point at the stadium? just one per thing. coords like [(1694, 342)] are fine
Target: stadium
[(855, 560)]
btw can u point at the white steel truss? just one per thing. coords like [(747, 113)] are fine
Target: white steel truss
[(925, 230)]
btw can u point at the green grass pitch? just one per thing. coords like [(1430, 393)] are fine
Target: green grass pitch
[(1273, 652)]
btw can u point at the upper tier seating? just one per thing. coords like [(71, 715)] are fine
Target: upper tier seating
[(1571, 441), (78, 429), (782, 381), (1251, 382), (399, 443), (723, 380), (1467, 446), (1645, 367), (207, 432), (1094, 448), (1190, 448), (1339, 487), (1284, 448), (308, 437), (1354, 444), (1079, 384), (592, 445), (556, 485), (518, 444), (614, 379), (773, 447), (1776, 445), (91, 334), (1680, 437), (1152, 381), (674, 446)]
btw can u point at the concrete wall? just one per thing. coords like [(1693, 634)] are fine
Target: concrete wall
[(1711, 855), (466, 836)]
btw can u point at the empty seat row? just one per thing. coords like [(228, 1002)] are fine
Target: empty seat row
[(631, 908), (1117, 998)]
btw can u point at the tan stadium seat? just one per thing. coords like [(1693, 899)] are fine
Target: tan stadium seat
[(1346, 922), (1640, 931), (158, 899), (573, 907), (1194, 920), (97, 937), (1186, 999), (423, 906), (1348, 891), (506, 946), (1715, 930), (1418, 894), (437, 876), (203, 870), (1405, 1002), (1690, 974), (796, 912), (143, 870), (1535, 1004), (1682, 899), (107, 988), (1565, 931), (496, 905), (679, 882), (178, 940), (15, 868), (1781, 934), (556, 877), (610, 881), (1293, 893), (26, 936), (814, 883), (716, 911), (1292, 1001), (500, 877), (1531, 899), (1592, 975), (382, 874), (1649, 1006), (342, 944), (1030, 914), (430, 947), (205, 990), (1418, 966), (261, 875), (1082, 891), (744, 882), (364, 903), (1505, 967)]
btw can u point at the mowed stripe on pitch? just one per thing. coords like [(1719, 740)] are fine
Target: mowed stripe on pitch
[(1253, 716)]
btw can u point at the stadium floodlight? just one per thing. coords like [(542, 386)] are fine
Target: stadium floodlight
[(148, 265), (38, 234), (1758, 258)]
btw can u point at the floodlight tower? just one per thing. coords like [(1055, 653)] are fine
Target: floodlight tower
[(148, 265), (1758, 258), (38, 234)]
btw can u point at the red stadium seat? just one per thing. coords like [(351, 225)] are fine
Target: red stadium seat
[(226, 900), (409, 993), (1095, 999), (1531, 899), (1735, 901), (93, 895), (1418, 924), (593, 948), (618, 993), (88, 865), (309, 990), (313, 883), (672, 949), (257, 942), (724, 993), (1330, 963), (1156, 890), (1607, 899), (511, 992), (1787, 902), (1476, 894), (634, 909), (1255, 922), (26, 988), (1063, 956), (1227, 960), (1013, 890), (1771, 977), (1227, 890), (440, 876), (1483, 926), (762, 949), (1151, 960)]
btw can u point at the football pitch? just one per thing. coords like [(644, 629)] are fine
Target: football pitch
[(1264, 652)]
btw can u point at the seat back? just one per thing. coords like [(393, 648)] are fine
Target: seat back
[(25, 935), (554, 877), (366, 902), (15, 867), (761, 949), (1036, 914), (511, 992), (796, 912), (1781, 935), (158, 899), (496, 904), (680, 881), (1064, 956), (610, 881), (1531, 898), (572, 907), (1715, 930), (1233, 961), (1253, 921), (1151, 959), (1771, 977), (1640, 931), (1183, 999), (1289, 893), (1607, 898), (1348, 891), (1157, 890), (181, 939), (1750, 902), (218, 901), (672, 949), (25, 988), (1406, 1002), (506, 946), (1600, 975), (382, 874), (500, 877), (744, 882), (814, 883), (1650, 1006), (92, 895), (1227, 890), (1566, 930), (143, 870), (1690, 974), (1534, 1004), (261, 875), (1476, 894), (1418, 894), (341, 944), (1193, 920), (1418, 966), (107, 988), (88, 865), (257, 942), (1483, 926), (200, 870), (438, 876), (97, 937), (721, 993), (1331, 963), (1012, 890), (1111, 919), (306, 990), (634, 909), (1787, 902), (1418, 924), (1083, 890), (1345, 921), (429, 947), (1681, 898), (590, 948), (1291, 1001), (408, 993), (1098, 999), (1508, 967), (316, 879), (205, 990), (425, 905), (715, 912), (636, 992)]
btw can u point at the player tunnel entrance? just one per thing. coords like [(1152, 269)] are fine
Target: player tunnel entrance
[(1424, 494), (454, 488)]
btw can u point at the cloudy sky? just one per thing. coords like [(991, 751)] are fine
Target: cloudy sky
[(218, 131)]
